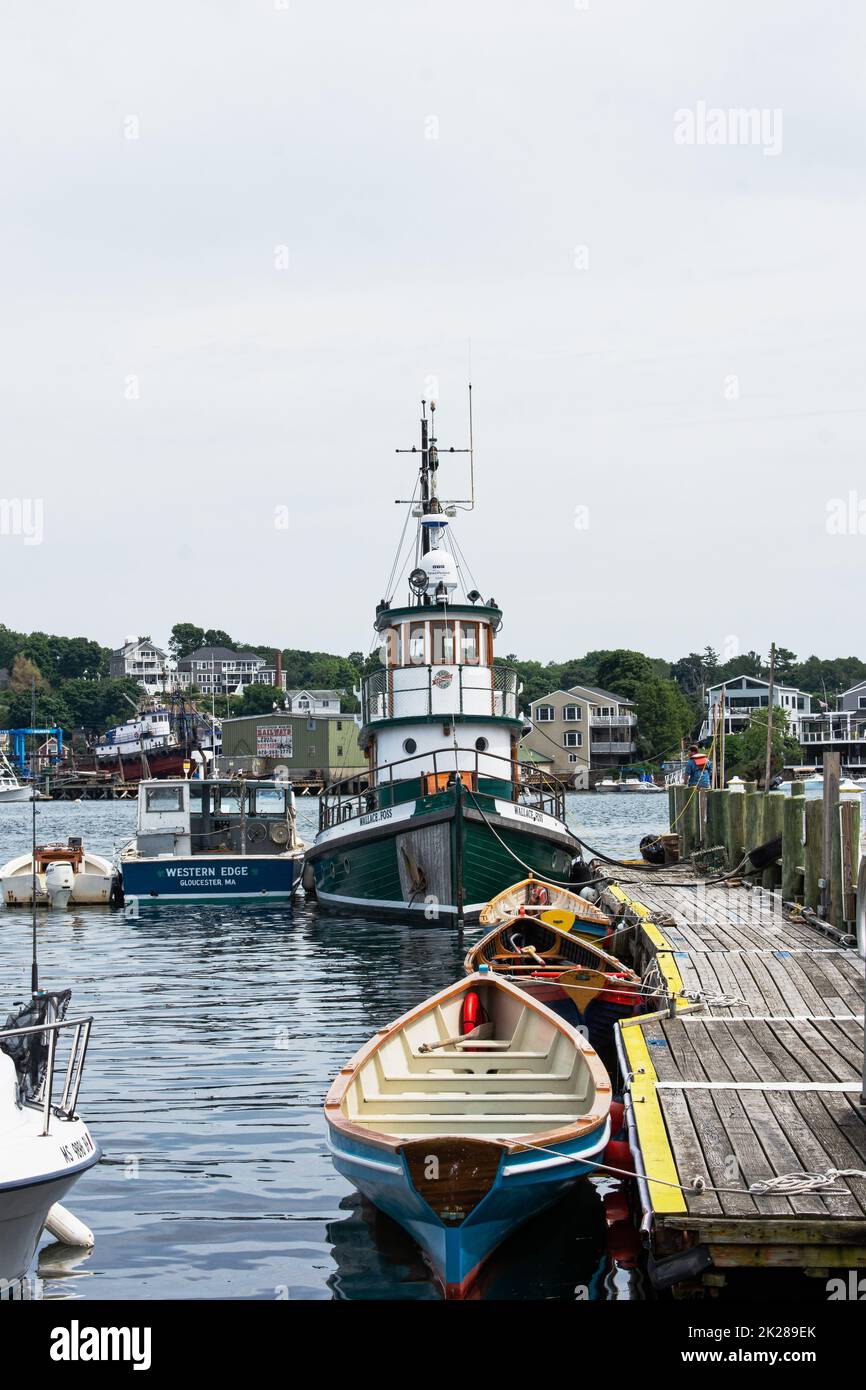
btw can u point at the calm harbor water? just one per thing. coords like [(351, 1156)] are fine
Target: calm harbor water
[(217, 1032)]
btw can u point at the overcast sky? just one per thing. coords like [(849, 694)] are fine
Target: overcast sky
[(239, 239)]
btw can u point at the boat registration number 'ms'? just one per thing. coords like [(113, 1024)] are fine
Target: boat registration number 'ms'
[(77, 1149)]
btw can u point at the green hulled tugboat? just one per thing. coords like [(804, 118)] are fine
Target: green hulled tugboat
[(451, 816)]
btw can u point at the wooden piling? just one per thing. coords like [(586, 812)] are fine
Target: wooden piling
[(774, 811), (813, 853), (735, 841), (849, 839), (754, 819), (832, 767), (715, 834), (793, 826)]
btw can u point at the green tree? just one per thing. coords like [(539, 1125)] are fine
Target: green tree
[(746, 752), (215, 637), (622, 671), (97, 705), (664, 717), (51, 710), (185, 638), (258, 699)]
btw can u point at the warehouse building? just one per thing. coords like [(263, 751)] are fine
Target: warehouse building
[(310, 750)]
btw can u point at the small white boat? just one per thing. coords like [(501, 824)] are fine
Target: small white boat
[(607, 784), (64, 874), (628, 784), (10, 788), (44, 1145)]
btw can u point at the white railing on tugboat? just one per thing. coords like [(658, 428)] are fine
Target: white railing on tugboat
[(528, 786), (65, 1108), (481, 690)]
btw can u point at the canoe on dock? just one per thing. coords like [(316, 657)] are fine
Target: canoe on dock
[(467, 1116), (559, 907), (578, 980)]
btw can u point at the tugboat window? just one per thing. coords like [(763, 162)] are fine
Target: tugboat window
[(481, 745), (230, 804), (416, 646), (409, 745), (469, 644), (443, 644)]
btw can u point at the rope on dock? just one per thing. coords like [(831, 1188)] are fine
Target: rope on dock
[(784, 1184)]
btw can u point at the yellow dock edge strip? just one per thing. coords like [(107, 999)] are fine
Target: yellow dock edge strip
[(655, 1148), (670, 974), (652, 1133)]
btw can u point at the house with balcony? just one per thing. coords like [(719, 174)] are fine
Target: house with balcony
[(145, 662), (744, 696), (583, 729), (842, 730), (221, 671)]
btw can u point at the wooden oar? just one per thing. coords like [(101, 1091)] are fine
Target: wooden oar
[(481, 1030)]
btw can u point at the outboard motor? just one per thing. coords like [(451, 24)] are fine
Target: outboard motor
[(59, 882)]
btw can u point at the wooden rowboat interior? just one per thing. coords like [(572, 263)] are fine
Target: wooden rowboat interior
[(521, 1075), (539, 897), (499, 949)]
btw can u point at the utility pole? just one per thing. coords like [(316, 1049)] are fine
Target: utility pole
[(770, 717), (721, 757)]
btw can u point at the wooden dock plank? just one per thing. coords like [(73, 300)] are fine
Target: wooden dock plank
[(798, 1024)]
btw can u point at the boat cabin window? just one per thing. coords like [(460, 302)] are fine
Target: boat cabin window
[(230, 802), (165, 798), (270, 801), (442, 635), (469, 644)]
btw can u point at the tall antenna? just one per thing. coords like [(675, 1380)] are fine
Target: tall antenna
[(34, 968), (471, 456)]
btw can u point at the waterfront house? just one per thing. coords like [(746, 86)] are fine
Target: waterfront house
[(746, 695), (842, 730), (314, 701), (582, 729), (145, 662), (221, 671)]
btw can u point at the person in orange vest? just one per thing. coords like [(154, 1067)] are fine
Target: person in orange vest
[(697, 768)]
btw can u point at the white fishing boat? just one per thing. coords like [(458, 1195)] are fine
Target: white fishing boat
[(10, 787), (45, 1146), (64, 874), (211, 839)]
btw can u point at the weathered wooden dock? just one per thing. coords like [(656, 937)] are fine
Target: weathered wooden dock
[(748, 1075)]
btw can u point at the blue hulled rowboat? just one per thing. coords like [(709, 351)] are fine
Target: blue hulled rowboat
[(466, 1117)]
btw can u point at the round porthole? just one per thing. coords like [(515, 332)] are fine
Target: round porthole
[(481, 745), (347, 867), (409, 745)]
